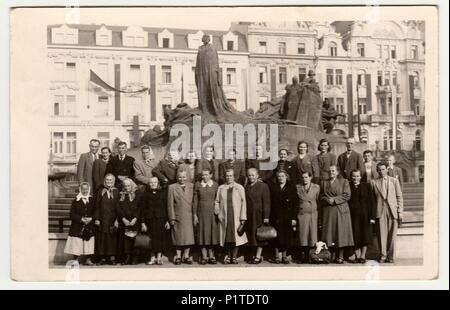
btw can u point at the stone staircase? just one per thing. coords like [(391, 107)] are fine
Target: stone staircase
[(413, 203), (59, 208)]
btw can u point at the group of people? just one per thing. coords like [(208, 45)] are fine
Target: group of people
[(213, 204)]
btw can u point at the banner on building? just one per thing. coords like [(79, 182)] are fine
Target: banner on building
[(94, 78)]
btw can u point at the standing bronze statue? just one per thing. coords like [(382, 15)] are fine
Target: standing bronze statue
[(329, 116), (211, 98), (302, 103)]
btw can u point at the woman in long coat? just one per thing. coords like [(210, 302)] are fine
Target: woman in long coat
[(179, 206), (81, 240), (337, 224), (106, 205), (208, 227), (231, 210), (257, 194), (363, 213), (155, 220), (283, 215), (308, 198), (322, 162), (128, 213)]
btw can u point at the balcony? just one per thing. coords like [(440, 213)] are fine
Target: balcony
[(381, 118)]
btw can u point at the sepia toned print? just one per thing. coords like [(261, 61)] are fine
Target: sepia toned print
[(148, 167)]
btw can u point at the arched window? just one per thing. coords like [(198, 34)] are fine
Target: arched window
[(364, 136), (388, 141), (332, 48), (418, 140)]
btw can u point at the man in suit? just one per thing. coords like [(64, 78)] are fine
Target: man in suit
[(394, 171), (166, 170), (143, 168), (238, 167), (369, 172), (121, 165), (85, 163), (389, 211), (350, 160)]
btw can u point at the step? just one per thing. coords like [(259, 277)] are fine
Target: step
[(59, 214), (411, 217), (59, 206), (64, 200), (413, 203)]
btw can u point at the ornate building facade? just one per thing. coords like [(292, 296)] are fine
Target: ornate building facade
[(374, 74)]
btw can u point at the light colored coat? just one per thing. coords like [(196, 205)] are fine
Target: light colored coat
[(143, 170), (239, 210), (180, 210), (394, 197)]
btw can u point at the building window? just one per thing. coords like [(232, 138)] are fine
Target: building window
[(301, 48), (262, 75), (418, 141), (379, 51), (332, 48), (416, 79), (387, 78), (340, 105), (71, 71), (231, 76), (388, 140), (383, 106), (263, 99), (397, 104), (364, 136), (417, 106), (361, 79), (71, 102), (363, 105), (263, 47), (394, 78), (232, 101), (71, 143), (103, 137), (58, 141), (230, 45), (135, 73), (301, 74), (380, 78), (165, 42), (386, 51), (282, 48), (282, 77), (414, 52), (338, 76), (64, 143), (102, 107), (330, 77), (59, 70), (58, 105), (393, 52), (361, 49), (166, 74)]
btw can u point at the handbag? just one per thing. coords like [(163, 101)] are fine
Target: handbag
[(87, 232), (241, 230), (323, 257), (143, 241), (266, 232)]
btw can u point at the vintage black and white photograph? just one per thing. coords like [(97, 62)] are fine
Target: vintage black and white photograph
[(267, 144)]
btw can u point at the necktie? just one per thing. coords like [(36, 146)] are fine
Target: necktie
[(383, 187)]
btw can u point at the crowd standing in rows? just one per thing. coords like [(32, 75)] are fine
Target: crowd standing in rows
[(212, 204)]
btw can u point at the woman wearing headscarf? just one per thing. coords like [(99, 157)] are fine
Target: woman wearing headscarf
[(106, 204), (337, 223), (129, 220), (81, 241)]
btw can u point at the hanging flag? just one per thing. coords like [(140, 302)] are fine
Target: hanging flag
[(94, 78)]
